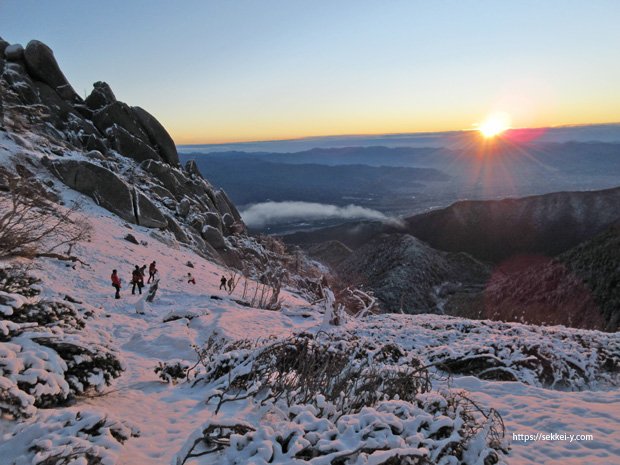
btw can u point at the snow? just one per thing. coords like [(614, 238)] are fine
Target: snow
[(169, 417)]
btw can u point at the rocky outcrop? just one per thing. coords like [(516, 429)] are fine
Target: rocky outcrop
[(146, 213), (119, 114), (213, 219), (14, 52), (104, 186), (129, 163), (224, 205), (109, 191), (42, 66), (158, 136), (192, 168), (214, 237), (175, 229), (184, 207), (123, 142), (100, 122), (18, 80), (3, 45), (173, 180), (100, 97)]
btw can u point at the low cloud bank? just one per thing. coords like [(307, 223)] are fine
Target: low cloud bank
[(261, 214)]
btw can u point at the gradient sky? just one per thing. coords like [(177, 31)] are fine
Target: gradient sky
[(255, 70)]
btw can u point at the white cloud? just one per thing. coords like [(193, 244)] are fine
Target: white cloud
[(261, 214)]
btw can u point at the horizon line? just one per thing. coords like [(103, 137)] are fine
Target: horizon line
[(387, 134)]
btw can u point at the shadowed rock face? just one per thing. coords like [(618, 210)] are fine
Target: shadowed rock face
[(100, 97), (123, 142), (42, 66), (3, 45), (119, 114), (104, 186), (14, 52), (109, 191), (158, 136)]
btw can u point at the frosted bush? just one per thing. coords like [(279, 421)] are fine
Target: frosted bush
[(70, 438), (552, 357), (47, 355), (337, 399)]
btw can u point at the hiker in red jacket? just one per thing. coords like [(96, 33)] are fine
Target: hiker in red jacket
[(152, 272), (116, 283)]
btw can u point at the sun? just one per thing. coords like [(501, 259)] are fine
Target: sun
[(494, 125)]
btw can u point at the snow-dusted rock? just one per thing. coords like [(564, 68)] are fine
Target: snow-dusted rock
[(130, 146), (121, 115), (183, 207), (147, 213), (214, 220), (214, 237)]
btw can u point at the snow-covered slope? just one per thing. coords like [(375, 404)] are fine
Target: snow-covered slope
[(167, 415)]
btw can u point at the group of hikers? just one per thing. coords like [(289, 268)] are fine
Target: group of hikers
[(137, 279), (227, 283)]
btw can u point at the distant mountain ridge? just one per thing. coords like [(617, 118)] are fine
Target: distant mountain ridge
[(494, 230), (249, 179)]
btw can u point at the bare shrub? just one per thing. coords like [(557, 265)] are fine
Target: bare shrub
[(33, 225), (265, 291), (349, 373)]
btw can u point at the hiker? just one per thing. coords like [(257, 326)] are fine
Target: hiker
[(231, 282), (136, 279), (152, 272), (190, 279), (142, 273), (223, 283), (116, 284)]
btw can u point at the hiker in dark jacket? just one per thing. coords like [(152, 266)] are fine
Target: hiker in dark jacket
[(231, 283), (142, 273), (223, 283), (116, 284), (152, 272), (136, 278)]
